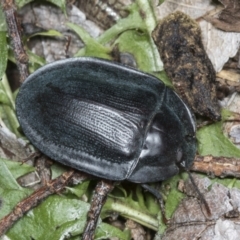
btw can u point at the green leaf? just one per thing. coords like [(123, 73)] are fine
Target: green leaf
[(132, 21), (134, 207), (131, 34), (59, 217), (163, 76), (139, 45), (4, 53), (92, 47), (106, 231), (3, 26), (7, 106), (35, 61), (3, 97), (17, 169), (59, 3), (6, 92), (211, 141), (80, 189), (21, 3), (173, 196), (49, 33), (11, 193), (54, 218), (57, 169)]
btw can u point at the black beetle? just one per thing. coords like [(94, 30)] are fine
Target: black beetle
[(108, 120)]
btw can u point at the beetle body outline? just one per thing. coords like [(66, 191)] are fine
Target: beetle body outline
[(108, 120)]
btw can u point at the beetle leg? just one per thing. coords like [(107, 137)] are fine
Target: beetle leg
[(99, 198), (203, 200), (159, 197)]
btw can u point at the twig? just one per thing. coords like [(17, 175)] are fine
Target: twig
[(15, 37), (217, 166), (55, 186), (99, 198)]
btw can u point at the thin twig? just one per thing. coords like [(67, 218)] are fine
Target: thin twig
[(15, 37), (99, 198), (55, 186), (217, 166)]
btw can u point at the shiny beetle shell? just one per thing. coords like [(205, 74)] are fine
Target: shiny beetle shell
[(107, 120)]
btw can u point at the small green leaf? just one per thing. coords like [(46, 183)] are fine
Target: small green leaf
[(35, 61), (174, 196), (133, 35), (139, 45), (80, 189), (211, 141), (163, 76), (92, 47), (7, 106), (132, 21), (106, 231), (3, 97), (3, 26), (11, 193), (49, 33), (57, 169), (59, 218), (55, 218), (8, 181), (6, 92), (59, 3), (3, 53), (21, 3), (132, 207), (17, 169)]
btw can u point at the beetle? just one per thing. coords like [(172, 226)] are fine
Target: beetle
[(108, 120)]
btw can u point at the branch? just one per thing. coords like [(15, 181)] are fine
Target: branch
[(55, 186), (217, 166), (15, 37)]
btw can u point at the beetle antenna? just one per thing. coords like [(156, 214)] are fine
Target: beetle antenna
[(203, 200), (159, 197)]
